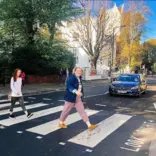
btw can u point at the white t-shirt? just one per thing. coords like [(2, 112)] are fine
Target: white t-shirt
[(80, 85), (16, 87)]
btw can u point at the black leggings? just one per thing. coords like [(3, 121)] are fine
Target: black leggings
[(14, 100)]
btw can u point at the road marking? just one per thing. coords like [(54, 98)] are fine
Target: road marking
[(62, 143), (47, 99), (104, 129), (19, 132), (154, 105), (93, 95), (89, 150), (106, 93), (52, 126), (100, 105), (39, 137), (151, 121), (3, 112), (5, 101), (2, 127), (133, 150), (124, 108), (149, 111), (61, 100), (23, 118), (32, 98), (9, 104)]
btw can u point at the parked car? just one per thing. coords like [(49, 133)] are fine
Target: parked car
[(128, 84)]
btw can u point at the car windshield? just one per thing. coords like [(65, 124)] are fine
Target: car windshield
[(129, 78)]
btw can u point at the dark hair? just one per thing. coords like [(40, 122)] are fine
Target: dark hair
[(15, 74)]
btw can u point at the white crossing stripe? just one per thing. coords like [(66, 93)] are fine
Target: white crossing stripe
[(23, 118), (46, 99), (4, 101), (100, 105), (104, 129), (3, 112), (32, 98), (52, 126), (8, 104)]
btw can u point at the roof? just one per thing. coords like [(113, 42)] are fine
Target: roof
[(133, 74)]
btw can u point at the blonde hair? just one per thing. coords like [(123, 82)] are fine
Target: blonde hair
[(73, 72)]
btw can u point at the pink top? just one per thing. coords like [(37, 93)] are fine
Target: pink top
[(23, 76)]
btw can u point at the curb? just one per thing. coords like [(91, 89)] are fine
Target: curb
[(86, 84), (35, 93)]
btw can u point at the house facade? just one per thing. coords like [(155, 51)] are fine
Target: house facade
[(104, 61)]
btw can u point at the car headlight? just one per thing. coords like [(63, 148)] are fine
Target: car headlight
[(136, 87)]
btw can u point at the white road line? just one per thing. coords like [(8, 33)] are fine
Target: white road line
[(4, 100), (31, 97), (3, 112), (106, 93), (89, 150), (154, 105), (93, 95), (105, 128), (8, 104), (100, 105), (23, 118), (47, 99), (61, 100), (52, 126), (133, 150), (149, 111), (39, 137), (124, 108), (62, 143)]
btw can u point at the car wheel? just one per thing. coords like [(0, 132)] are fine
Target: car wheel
[(138, 95)]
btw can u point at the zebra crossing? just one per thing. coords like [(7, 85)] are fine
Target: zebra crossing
[(89, 139)]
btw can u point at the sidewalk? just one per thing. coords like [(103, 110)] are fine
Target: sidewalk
[(35, 89)]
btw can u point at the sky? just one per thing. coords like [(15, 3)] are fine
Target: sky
[(151, 23), (150, 31)]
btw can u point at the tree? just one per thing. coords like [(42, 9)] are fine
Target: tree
[(149, 57), (93, 32), (154, 67), (129, 48), (31, 15), (131, 54), (27, 33)]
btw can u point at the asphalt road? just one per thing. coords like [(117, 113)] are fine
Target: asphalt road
[(126, 125)]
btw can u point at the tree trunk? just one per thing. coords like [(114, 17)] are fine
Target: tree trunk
[(93, 62), (30, 31)]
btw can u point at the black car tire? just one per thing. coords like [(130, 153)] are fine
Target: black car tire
[(138, 95)]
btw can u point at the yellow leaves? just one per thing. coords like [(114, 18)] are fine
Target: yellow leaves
[(44, 31), (152, 42), (131, 53), (125, 51)]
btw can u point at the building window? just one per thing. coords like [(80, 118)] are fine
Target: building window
[(75, 51)]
